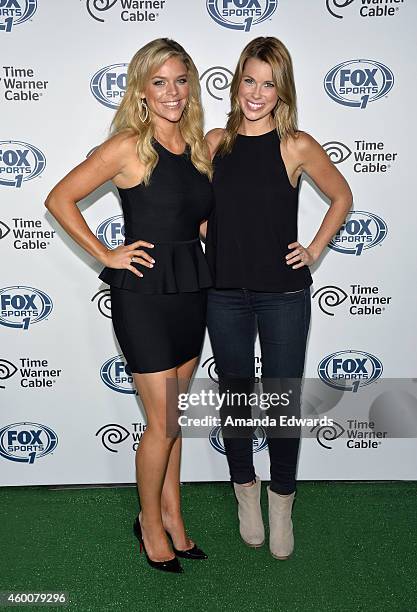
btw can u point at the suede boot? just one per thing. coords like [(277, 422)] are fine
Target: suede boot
[(251, 526), (281, 538)]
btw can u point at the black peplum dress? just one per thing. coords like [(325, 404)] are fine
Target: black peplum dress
[(160, 319)]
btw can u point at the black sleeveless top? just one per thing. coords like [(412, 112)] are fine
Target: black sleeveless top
[(254, 219), (167, 213)]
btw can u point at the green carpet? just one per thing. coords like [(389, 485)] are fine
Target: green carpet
[(355, 550)]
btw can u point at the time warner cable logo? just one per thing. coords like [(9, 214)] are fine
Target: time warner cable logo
[(365, 8), (361, 230), (355, 83), (19, 161), (241, 14), (108, 85), (217, 79), (22, 306), (349, 370), (26, 442), (15, 12)]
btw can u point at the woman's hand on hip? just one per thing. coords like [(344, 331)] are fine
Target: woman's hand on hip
[(123, 256), (299, 256)]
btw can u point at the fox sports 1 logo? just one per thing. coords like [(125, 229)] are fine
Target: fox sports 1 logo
[(15, 12), (259, 441), (22, 306), (349, 370), (361, 230), (26, 442), (108, 85), (116, 374), (241, 14), (19, 161), (111, 232), (355, 83)]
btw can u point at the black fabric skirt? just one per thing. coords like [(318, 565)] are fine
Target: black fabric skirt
[(158, 331)]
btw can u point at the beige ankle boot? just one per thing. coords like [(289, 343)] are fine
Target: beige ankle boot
[(281, 538), (251, 526)]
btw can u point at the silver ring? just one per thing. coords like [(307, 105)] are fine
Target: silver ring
[(132, 259)]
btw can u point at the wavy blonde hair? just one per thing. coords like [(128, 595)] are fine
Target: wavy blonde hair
[(144, 63), (272, 51)]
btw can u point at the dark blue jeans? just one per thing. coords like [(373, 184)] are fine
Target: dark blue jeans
[(282, 319)]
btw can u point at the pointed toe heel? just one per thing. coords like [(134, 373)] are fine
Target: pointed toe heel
[(172, 566), (191, 553)]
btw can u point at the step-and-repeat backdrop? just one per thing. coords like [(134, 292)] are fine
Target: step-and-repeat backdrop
[(69, 413)]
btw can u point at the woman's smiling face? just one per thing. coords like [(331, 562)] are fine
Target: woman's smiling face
[(257, 94), (167, 90)]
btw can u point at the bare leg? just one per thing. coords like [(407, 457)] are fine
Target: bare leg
[(171, 497), (152, 459)]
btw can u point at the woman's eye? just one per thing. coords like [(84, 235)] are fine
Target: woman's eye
[(158, 83), (182, 81), (249, 81), (269, 85)]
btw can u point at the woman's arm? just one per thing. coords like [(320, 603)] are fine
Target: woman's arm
[(107, 162), (309, 157), (203, 230), (213, 139)]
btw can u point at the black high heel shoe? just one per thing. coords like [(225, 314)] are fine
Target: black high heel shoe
[(191, 553), (172, 565)]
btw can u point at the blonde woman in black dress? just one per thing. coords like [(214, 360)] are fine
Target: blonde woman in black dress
[(160, 165)]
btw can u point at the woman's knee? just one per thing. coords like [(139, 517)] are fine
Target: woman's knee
[(162, 433)]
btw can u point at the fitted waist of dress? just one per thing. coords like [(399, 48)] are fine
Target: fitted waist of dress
[(129, 240)]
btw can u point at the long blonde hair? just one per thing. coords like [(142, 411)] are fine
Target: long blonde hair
[(271, 50), (143, 64)]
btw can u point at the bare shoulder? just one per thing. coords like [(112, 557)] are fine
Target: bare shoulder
[(120, 145), (302, 147), (302, 143), (214, 138), (215, 134), (110, 159)]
